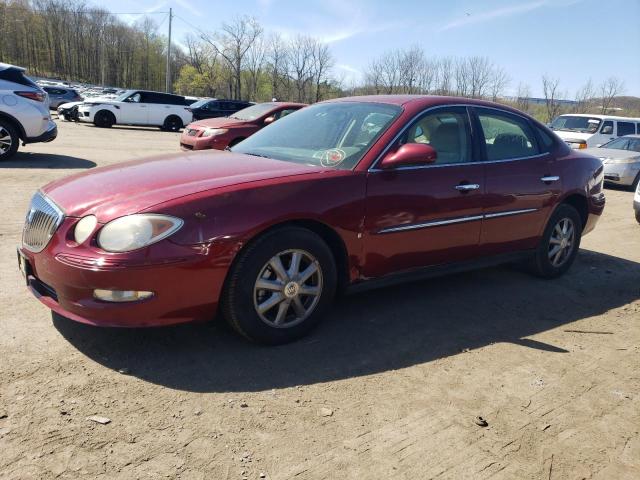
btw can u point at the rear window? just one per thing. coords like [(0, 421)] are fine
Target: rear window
[(16, 76), (625, 128)]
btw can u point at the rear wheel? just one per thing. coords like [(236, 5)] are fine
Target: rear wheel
[(9, 140), (104, 119), (560, 243), (172, 123), (280, 286)]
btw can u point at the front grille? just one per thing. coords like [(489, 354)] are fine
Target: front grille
[(43, 219)]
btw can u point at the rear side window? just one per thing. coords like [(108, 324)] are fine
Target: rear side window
[(625, 128), (506, 136), (16, 76)]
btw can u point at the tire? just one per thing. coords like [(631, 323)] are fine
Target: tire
[(245, 304), (634, 185), (104, 119), (548, 261), (638, 216), (9, 140), (172, 123)]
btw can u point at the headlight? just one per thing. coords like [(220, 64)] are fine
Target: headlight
[(214, 132), (136, 231), (84, 228)]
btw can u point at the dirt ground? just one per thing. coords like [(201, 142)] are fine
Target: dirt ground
[(387, 387)]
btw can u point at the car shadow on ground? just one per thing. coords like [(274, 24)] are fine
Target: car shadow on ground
[(371, 332), (135, 128), (46, 160)]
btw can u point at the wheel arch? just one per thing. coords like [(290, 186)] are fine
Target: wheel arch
[(14, 121), (580, 203), (329, 235), (108, 110)]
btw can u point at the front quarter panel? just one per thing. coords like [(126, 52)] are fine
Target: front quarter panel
[(238, 214)]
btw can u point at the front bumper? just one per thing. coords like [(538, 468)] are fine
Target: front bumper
[(186, 281), (621, 173), (48, 136), (188, 142)]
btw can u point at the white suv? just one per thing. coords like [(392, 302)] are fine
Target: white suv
[(588, 131), (24, 112), (137, 107)]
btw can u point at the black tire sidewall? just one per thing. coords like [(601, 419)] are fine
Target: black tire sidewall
[(542, 265), (15, 140), (237, 302), (104, 119), (172, 123)]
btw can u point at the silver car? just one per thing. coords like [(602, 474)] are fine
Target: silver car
[(621, 159)]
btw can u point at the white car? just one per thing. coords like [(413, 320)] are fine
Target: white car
[(621, 159), (589, 131), (24, 112), (636, 203), (137, 107)]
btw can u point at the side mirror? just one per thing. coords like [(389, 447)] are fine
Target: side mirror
[(608, 130), (410, 154), (269, 120)]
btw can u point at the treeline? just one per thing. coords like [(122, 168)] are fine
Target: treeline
[(70, 40)]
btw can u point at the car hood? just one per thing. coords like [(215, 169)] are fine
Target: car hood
[(603, 153), (219, 122), (130, 187)]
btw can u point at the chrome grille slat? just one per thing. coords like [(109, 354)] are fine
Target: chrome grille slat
[(43, 219)]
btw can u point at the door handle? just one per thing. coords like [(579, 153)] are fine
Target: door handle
[(550, 178), (467, 187)]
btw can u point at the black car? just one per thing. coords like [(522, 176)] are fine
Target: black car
[(60, 95), (212, 108)]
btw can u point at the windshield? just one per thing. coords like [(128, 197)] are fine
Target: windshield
[(333, 135), (624, 143), (576, 124), (254, 111)]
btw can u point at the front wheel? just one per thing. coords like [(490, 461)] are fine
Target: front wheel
[(560, 243), (280, 286), (104, 119)]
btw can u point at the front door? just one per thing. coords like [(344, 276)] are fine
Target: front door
[(429, 214), (134, 110)]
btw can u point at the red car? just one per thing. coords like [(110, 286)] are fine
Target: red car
[(224, 132), (343, 195)]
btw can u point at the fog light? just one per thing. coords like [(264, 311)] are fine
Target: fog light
[(121, 295)]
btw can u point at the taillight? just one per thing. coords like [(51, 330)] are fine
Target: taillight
[(37, 96)]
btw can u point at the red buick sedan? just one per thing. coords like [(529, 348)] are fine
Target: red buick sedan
[(341, 195), (220, 133)]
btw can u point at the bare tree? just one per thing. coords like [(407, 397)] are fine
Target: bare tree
[(551, 94), (322, 61), (446, 70), (232, 44), (584, 96), (277, 65), (254, 64), (523, 96), (610, 88), (301, 49), (498, 82)]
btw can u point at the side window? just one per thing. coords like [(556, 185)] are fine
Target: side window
[(284, 113), (506, 136), (638, 128), (625, 128), (135, 98), (447, 131), (547, 141), (607, 127)]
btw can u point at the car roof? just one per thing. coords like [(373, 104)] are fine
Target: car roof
[(424, 101), (601, 117), (5, 66)]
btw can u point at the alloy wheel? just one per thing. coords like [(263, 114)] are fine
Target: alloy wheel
[(5, 140), (288, 288), (562, 242)]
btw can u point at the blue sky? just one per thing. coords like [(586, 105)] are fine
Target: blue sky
[(573, 40)]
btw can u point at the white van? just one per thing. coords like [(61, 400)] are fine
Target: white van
[(585, 131)]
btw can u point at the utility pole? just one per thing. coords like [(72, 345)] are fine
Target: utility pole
[(168, 74)]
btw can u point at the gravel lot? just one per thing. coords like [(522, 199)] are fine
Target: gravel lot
[(387, 387)]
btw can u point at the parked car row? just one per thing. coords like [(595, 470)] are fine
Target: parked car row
[(339, 196), (589, 131)]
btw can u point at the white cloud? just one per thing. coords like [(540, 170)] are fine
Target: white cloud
[(188, 6)]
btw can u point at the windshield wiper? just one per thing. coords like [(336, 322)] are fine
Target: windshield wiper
[(256, 154)]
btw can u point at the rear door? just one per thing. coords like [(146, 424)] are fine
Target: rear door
[(522, 181), (428, 214)]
